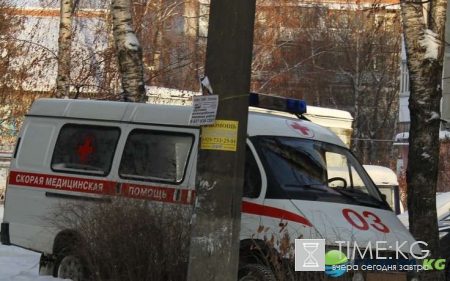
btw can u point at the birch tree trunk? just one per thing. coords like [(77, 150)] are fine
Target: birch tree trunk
[(424, 63), (129, 52), (64, 48)]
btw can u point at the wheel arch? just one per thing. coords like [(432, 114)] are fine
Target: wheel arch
[(66, 241), (256, 251)]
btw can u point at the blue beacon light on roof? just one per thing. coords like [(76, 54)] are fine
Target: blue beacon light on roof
[(294, 106)]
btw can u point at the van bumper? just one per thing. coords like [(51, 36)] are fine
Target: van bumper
[(4, 237)]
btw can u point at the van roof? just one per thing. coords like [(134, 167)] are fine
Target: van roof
[(314, 112), (260, 122), (381, 175), (329, 112)]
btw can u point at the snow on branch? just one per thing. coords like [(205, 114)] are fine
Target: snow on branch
[(431, 42), (434, 116), (131, 42), (425, 155)]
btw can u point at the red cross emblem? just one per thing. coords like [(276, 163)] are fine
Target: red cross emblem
[(300, 129), (86, 146)]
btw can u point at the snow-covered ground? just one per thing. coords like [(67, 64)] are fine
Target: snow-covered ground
[(17, 264)]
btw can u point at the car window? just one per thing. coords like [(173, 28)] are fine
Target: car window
[(156, 156), (85, 149)]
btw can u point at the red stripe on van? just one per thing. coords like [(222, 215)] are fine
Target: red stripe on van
[(257, 209), (157, 193), (93, 186), (84, 185)]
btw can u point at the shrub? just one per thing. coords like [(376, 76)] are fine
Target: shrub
[(123, 239)]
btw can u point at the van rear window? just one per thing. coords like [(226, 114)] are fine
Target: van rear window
[(85, 149), (156, 156)]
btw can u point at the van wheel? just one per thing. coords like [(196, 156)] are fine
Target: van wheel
[(255, 272), (70, 267)]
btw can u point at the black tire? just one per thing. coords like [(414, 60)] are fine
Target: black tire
[(46, 265), (447, 270), (255, 272), (70, 267)]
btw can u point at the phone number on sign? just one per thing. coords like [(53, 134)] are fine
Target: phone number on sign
[(202, 121), (218, 140)]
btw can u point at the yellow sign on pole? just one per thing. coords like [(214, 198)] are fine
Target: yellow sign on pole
[(221, 135)]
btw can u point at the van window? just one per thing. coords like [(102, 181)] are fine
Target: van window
[(85, 149), (341, 172), (252, 176), (388, 191), (302, 169), (156, 156), (35, 143)]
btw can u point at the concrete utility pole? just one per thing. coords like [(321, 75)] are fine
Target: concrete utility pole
[(214, 248)]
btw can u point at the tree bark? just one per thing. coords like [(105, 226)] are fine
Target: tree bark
[(64, 48), (424, 106), (129, 52)]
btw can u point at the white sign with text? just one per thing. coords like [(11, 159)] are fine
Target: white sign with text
[(204, 110)]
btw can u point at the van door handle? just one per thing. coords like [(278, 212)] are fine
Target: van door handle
[(118, 188), (177, 195)]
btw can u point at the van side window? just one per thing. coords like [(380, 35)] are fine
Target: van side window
[(85, 149), (156, 156), (252, 176)]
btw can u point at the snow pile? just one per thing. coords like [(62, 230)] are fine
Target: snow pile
[(17, 264), (161, 95)]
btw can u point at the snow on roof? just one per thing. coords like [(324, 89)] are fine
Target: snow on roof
[(161, 95), (402, 138)]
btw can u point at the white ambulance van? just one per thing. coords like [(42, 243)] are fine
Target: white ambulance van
[(79, 149)]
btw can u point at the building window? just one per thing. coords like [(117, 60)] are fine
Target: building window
[(203, 20), (380, 21), (378, 62)]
